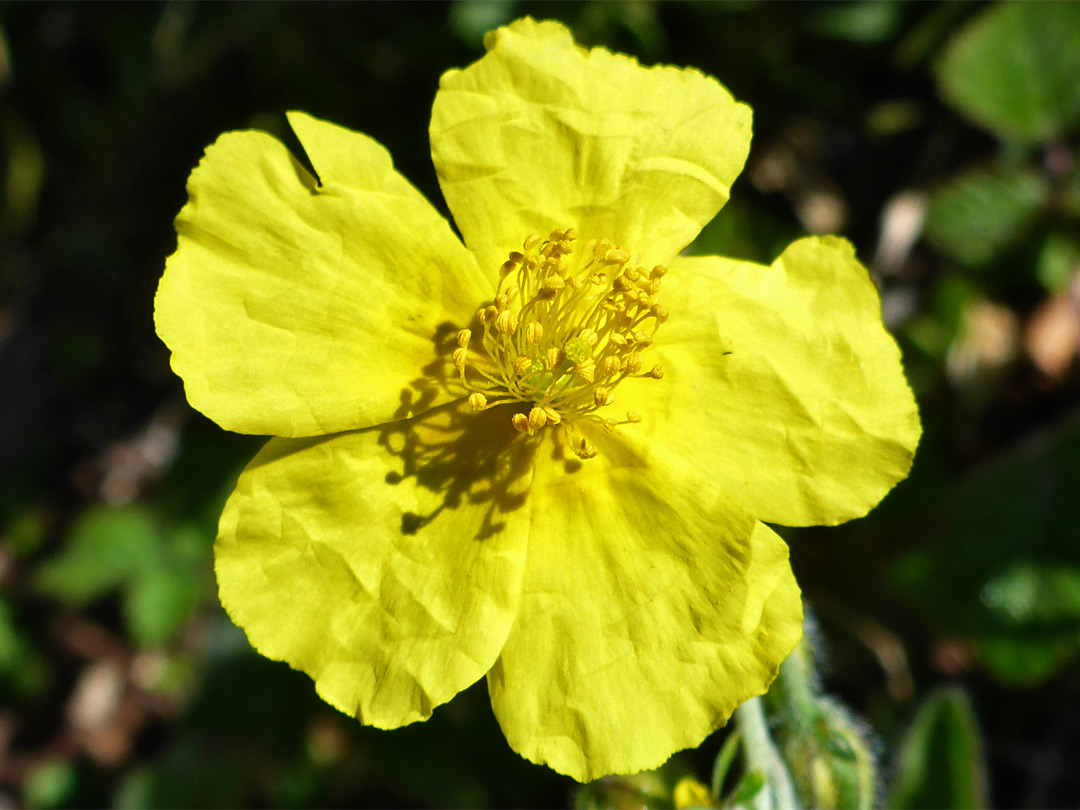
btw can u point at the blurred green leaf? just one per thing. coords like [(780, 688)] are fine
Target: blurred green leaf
[(1071, 196), (135, 790), (470, 20), (26, 533), (864, 21), (752, 783), (22, 669), (1015, 70), (1024, 659), (979, 213), (159, 603), (1059, 259), (1034, 592), (1002, 566), (105, 547), (941, 762), (50, 784)]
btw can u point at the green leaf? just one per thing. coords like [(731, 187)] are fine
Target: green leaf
[(1022, 660), (941, 762), (23, 670), (752, 783), (1029, 593), (159, 603), (1070, 202), (1001, 566), (978, 214), (49, 784), (864, 21), (106, 547), (1015, 70), (1059, 258), (723, 763)]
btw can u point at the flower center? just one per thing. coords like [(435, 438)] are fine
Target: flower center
[(566, 327)]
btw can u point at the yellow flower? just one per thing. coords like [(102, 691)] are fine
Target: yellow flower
[(545, 455)]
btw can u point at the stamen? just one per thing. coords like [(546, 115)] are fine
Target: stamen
[(566, 327)]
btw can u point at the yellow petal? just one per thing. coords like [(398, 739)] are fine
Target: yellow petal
[(541, 134), (651, 608), (781, 384), (296, 309), (386, 563)]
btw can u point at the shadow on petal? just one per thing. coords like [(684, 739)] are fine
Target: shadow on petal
[(466, 457)]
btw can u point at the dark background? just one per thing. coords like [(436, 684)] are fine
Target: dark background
[(123, 684)]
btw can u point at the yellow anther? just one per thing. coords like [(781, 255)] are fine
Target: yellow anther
[(566, 327), (506, 322), (602, 397), (537, 418), (616, 256), (522, 364), (656, 372), (610, 366), (587, 371), (585, 450)]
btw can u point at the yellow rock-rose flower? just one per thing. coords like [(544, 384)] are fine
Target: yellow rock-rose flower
[(546, 455)]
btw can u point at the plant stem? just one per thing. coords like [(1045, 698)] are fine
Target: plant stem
[(762, 756)]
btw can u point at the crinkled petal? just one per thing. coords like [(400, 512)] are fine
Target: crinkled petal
[(294, 308), (651, 608), (386, 563), (781, 383), (541, 134)]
